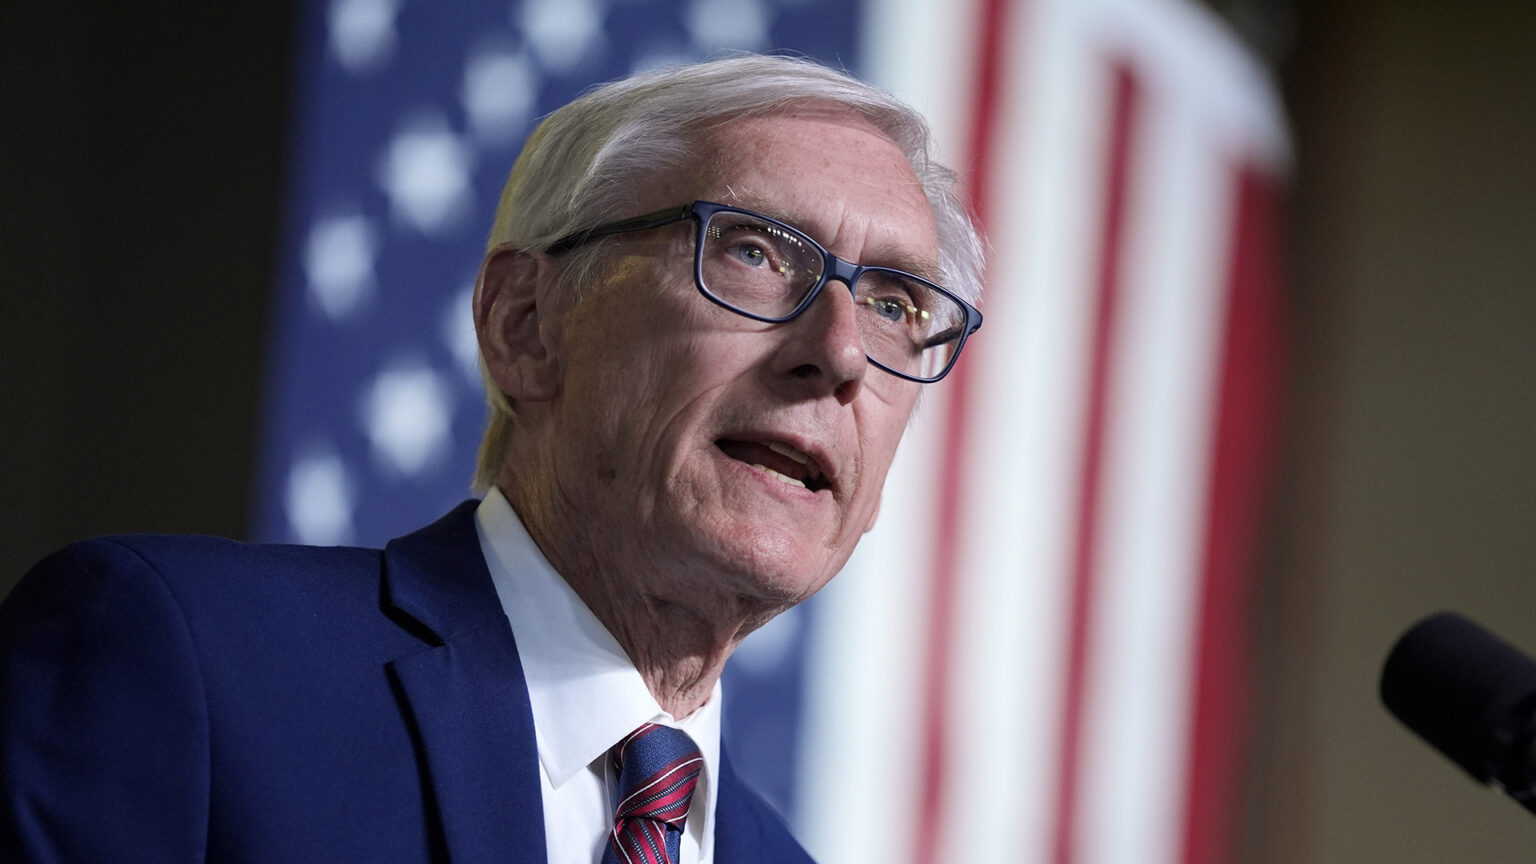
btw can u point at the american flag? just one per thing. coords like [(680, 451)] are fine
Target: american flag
[(1038, 653)]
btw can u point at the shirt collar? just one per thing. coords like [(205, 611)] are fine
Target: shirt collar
[(585, 691)]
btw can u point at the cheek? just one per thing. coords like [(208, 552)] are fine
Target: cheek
[(885, 414), (880, 428), (643, 407)]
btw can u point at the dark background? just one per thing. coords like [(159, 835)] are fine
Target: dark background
[(141, 172)]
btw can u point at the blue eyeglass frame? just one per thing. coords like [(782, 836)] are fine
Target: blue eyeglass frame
[(846, 272)]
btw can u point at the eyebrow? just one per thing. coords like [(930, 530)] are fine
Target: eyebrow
[(893, 257), (904, 261)]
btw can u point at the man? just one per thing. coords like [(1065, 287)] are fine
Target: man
[(711, 298)]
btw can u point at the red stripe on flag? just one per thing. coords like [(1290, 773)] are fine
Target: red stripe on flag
[(934, 696), (1247, 423), (1125, 103)]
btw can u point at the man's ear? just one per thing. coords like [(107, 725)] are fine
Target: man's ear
[(509, 310)]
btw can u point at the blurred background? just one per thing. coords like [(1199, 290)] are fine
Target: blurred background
[(158, 168)]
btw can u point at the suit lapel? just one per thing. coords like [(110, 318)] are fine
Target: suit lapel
[(466, 694)]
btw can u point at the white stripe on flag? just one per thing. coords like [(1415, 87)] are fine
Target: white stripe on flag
[(1204, 111), (1155, 476)]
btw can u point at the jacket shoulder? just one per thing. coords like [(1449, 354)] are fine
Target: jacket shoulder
[(105, 712), (185, 564), (231, 599)]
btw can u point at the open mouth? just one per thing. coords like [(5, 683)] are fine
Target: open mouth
[(778, 460)]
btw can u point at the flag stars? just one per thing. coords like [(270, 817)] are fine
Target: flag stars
[(425, 173), (406, 414), (339, 260), (498, 94), (562, 32), (458, 332), (362, 34), (319, 500), (717, 25)]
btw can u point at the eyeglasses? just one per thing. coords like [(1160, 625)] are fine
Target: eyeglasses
[(768, 271)]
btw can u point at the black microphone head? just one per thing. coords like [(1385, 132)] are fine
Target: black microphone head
[(1458, 686)]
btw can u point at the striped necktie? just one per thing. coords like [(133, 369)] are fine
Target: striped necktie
[(658, 767)]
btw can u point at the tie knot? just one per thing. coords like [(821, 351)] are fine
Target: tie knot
[(658, 769)]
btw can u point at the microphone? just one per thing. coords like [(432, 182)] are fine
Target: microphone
[(1471, 696)]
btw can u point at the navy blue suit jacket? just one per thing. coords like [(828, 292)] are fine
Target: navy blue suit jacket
[(177, 699)]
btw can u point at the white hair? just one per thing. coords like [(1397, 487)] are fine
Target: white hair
[(583, 165)]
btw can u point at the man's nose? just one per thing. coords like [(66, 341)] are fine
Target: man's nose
[(823, 350)]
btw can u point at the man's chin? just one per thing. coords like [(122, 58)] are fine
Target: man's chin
[(759, 553), (786, 572)]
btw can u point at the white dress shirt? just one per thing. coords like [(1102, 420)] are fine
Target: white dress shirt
[(586, 695)]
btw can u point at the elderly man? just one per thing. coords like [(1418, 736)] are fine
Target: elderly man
[(711, 298)]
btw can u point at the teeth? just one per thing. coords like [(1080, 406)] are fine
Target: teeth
[(786, 450), (777, 476)]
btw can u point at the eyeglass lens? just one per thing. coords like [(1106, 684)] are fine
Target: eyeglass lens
[(767, 269)]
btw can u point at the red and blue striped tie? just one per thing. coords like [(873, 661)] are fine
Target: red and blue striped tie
[(658, 767)]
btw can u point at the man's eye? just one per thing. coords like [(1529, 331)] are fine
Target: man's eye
[(749, 254), (889, 308)]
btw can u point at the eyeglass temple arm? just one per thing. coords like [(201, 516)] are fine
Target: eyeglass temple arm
[(638, 223), (950, 335)]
